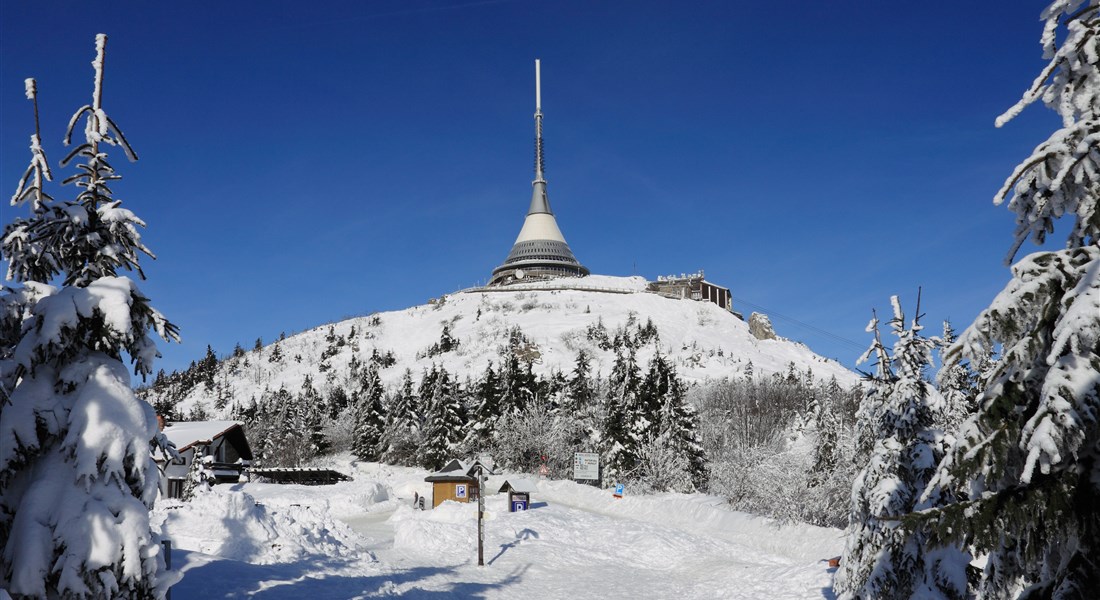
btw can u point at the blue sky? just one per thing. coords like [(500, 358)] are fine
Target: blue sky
[(306, 162)]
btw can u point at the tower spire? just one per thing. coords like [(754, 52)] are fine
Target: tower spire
[(540, 163), (540, 250), (540, 201)]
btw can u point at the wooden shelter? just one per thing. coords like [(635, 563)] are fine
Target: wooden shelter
[(519, 493), (457, 481)]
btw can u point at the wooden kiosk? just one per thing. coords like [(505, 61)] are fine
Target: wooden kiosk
[(519, 493), (457, 481)]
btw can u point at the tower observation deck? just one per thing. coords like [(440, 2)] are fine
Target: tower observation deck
[(540, 250)]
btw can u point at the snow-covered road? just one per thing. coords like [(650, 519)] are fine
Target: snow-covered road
[(576, 542)]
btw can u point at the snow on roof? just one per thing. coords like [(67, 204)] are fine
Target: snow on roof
[(519, 484), (464, 468), (184, 434)]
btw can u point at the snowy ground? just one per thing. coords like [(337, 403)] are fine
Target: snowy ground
[(362, 539)]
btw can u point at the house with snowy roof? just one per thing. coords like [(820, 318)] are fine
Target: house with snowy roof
[(225, 441)]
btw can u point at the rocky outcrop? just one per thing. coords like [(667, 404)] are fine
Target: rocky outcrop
[(760, 326)]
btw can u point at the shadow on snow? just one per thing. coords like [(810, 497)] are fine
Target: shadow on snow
[(322, 578)]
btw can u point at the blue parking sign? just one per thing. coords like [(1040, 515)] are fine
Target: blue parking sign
[(460, 491), (619, 487), (519, 505)]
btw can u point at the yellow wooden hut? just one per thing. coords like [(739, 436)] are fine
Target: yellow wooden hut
[(457, 480)]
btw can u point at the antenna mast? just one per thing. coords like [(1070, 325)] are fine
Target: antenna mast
[(540, 165)]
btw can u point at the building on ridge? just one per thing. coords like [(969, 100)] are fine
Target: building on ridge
[(693, 286), (540, 250)]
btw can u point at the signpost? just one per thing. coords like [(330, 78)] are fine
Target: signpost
[(480, 513), (619, 489), (586, 467)]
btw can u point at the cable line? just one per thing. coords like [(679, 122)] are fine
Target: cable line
[(771, 313)]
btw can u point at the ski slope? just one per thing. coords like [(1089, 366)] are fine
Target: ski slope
[(363, 539)]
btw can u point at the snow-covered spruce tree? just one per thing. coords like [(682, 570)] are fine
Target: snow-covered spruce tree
[(403, 424), (1029, 460), (518, 384), (898, 420), (313, 411), (957, 384), (674, 426), (76, 473), (486, 412), (826, 445), (370, 418), (443, 419), (200, 475), (618, 448), (580, 390)]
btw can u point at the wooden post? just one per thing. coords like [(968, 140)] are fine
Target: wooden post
[(480, 515), (167, 563)]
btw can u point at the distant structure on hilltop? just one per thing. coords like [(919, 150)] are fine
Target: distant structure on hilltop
[(540, 251), (693, 286)]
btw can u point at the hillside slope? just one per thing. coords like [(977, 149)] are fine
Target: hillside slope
[(703, 341)]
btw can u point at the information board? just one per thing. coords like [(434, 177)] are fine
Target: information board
[(586, 465)]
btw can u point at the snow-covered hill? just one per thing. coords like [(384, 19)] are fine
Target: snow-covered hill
[(556, 319)]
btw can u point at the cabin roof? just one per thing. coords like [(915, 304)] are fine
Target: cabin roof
[(518, 484), (185, 434)]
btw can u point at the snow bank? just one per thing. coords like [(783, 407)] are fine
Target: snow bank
[(232, 524), (702, 515)]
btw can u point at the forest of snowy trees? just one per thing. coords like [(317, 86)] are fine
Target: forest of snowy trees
[(772, 444)]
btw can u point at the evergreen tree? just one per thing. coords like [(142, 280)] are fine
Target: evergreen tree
[(487, 411), (898, 419), (311, 411), (443, 420), (619, 447), (677, 424), (580, 391), (338, 401), (403, 424), (1028, 461), (957, 384), (207, 368), (200, 475), (518, 384), (75, 462), (370, 418), (826, 445)]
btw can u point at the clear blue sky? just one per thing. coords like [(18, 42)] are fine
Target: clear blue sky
[(306, 162)]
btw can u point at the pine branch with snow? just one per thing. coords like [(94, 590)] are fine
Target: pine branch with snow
[(1063, 173)]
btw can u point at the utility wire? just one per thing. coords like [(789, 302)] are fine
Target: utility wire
[(818, 330)]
